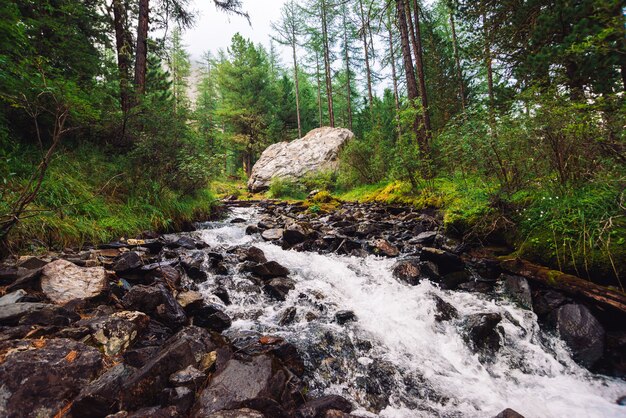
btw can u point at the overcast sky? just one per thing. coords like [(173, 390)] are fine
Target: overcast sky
[(215, 29)]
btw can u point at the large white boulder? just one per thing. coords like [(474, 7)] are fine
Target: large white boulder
[(317, 151)]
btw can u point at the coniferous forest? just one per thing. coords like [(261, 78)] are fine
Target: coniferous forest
[(365, 208)]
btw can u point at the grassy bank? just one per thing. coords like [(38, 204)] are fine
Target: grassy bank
[(93, 195)]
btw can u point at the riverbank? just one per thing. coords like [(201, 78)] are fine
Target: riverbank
[(364, 308)]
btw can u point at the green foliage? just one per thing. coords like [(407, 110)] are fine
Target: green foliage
[(286, 189)]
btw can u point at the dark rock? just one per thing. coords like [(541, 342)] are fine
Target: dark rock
[(31, 263), (345, 316), (252, 229), (190, 301), (184, 349), (508, 413), (40, 381), (455, 280), (127, 262), (243, 384), (445, 310), (288, 316), (211, 317), (189, 377), (237, 221), (546, 301), (116, 332), (140, 356), (476, 286), (12, 313), (183, 242), (621, 401), (50, 315), (279, 287), (155, 335), (408, 271), (518, 290), (255, 255), (293, 236), (384, 247), (182, 398), (156, 412), (222, 293), (425, 238), (317, 408), (237, 413), (193, 264), (273, 234), (157, 302), (581, 331), (268, 270), (101, 397), (482, 334), (24, 279), (446, 262)]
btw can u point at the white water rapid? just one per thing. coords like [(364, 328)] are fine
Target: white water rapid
[(395, 357)]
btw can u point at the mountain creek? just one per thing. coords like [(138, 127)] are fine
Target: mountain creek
[(276, 311)]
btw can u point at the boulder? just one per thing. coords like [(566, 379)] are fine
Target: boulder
[(412, 271), (581, 331), (345, 316), (384, 247), (39, 380), (211, 317), (63, 281), (445, 310), (317, 151), (518, 290), (101, 397), (268, 270), (190, 300), (446, 261), (279, 287), (509, 413), (482, 333), (127, 262), (272, 234), (157, 302), (254, 254)]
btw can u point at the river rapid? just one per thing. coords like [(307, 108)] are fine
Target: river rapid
[(396, 360)]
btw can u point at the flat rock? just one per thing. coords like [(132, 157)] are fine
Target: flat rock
[(62, 281), (13, 297), (12, 313), (38, 381), (273, 234)]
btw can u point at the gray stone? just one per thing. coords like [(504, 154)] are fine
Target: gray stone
[(518, 289), (63, 281), (581, 331), (317, 151), (12, 313), (14, 297)]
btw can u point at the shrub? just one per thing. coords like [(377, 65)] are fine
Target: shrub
[(286, 188)]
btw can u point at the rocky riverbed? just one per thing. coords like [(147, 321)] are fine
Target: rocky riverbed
[(278, 311)]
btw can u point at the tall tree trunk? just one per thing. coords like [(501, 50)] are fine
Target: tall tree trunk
[(297, 83), (319, 88), (123, 47), (416, 39), (394, 76), (366, 52), (142, 47), (409, 70), (457, 59), (348, 86), (329, 85)]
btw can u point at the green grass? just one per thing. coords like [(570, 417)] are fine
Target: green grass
[(88, 197)]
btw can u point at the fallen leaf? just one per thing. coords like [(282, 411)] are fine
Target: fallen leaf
[(266, 340), (39, 343), (63, 411), (71, 356)]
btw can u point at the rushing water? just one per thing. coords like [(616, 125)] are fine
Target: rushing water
[(396, 358)]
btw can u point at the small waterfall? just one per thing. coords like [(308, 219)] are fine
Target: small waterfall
[(396, 359)]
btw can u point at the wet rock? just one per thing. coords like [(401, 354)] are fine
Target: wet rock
[(237, 413), (384, 247), (268, 270), (445, 310), (186, 348), (50, 315), (518, 290), (211, 317), (482, 333), (254, 254), (183, 242), (294, 235), (62, 281), (317, 408), (273, 234), (279, 287), (252, 229), (412, 271), (476, 286), (288, 316), (127, 262), (116, 332), (547, 301), (222, 294), (345, 316), (425, 238), (157, 302), (140, 356), (30, 263), (24, 279), (12, 313), (190, 301), (237, 221), (193, 264), (14, 297), (508, 413), (240, 384), (40, 380), (156, 412), (182, 398), (581, 331), (621, 401), (446, 262), (101, 397), (189, 377)]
